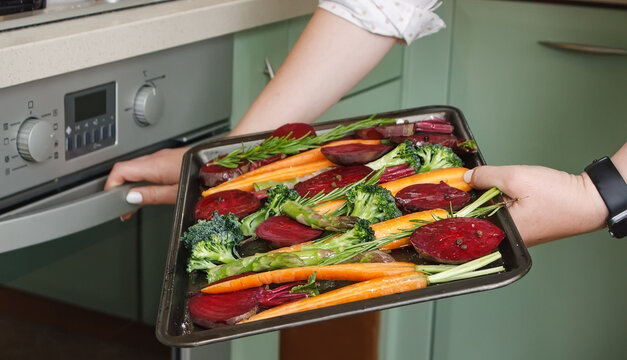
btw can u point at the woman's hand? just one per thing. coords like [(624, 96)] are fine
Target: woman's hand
[(549, 204), (162, 168)]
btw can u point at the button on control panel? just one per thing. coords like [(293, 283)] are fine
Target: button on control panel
[(89, 117)]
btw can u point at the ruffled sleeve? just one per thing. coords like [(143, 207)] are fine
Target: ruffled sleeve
[(407, 20)]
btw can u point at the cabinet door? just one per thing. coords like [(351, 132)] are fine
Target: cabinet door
[(250, 49), (530, 104), (95, 269)]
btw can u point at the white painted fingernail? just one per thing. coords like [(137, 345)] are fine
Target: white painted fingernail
[(134, 197), (468, 176)]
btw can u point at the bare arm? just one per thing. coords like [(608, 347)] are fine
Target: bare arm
[(331, 57)]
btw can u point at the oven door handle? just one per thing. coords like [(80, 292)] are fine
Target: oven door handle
[(73, 210)]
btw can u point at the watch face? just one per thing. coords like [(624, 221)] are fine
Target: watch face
[(617, 224)]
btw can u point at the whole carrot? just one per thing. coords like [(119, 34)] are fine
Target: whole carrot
[(279, 175), (350, 272), (382, 286), (278, 168)]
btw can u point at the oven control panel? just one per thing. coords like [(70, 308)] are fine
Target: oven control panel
[(55, 128)]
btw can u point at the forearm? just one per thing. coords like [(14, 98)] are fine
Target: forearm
[(331, 57)]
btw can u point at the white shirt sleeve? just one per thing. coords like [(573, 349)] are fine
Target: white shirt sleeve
[(407, 20)]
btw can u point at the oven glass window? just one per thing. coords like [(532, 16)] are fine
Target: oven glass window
[(90, 105)]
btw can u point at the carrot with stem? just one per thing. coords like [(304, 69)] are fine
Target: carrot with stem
[(307, 162), (382, 286), (350, 272)]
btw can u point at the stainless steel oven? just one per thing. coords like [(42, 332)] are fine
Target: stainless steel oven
[(60, 136)]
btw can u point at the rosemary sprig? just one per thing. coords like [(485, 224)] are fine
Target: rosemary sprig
[(340, 193), (283, 145)]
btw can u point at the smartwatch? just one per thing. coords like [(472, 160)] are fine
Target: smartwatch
[(613, 190)]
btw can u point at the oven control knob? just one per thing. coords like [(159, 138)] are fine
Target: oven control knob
[(148, 106), (35, 140)]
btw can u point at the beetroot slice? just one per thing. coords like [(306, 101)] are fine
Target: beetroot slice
[(211, 310), (396, 172), (456, 240), (283, 231), (217, 310), (354, 154), (381, 132), (297, 130), (419, 197), (211, 174), (434, 125), (424, 138), (240, 203), (331, 179)]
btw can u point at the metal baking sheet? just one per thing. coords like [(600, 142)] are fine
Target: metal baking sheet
[(174, 326)]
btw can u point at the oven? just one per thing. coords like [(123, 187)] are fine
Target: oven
[(60, 234)]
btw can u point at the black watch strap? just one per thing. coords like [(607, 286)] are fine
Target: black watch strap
[(613, 190)]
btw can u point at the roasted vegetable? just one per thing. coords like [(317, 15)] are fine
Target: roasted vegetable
[(404, 153), (456, 240), (436, 156), (213, 311), (277, 196), (460, 146), (382, 132), (240, 203), (282, 231), (294, 131), (332, 179), (381, 286), (371, 202), (308, 216), (268, 261), (354, 154), (212, 174), (212, 242), (419, 197), (434, 125)]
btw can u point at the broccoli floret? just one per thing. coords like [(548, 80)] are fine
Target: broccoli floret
[(212, 242), (277, 196), (372, 202), (436, 156), (403, 153), (357, 235)]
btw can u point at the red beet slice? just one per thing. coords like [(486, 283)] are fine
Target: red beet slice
[(456, 240), (297, 130), (419, 197), (283, 231), (354, 154), (396, 172), (424, 138), (240, 203), (331, 179), (381, 132), (434, 125), (211, 310), (211, 174), (217, 310)]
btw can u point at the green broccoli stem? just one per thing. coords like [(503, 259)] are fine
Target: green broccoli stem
[(307, 216), (267, 261)]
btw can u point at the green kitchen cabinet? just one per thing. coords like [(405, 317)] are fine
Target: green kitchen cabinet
[(531, 104), (273, 42)]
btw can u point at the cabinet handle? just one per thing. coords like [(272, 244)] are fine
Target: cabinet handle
[(588, 49), (269, 71)]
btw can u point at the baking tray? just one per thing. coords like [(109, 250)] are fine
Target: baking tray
[(174, 326)]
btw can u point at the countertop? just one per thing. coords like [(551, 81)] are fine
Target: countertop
[(42, 51)]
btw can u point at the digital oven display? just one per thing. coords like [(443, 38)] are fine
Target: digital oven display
[(90, 105)]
